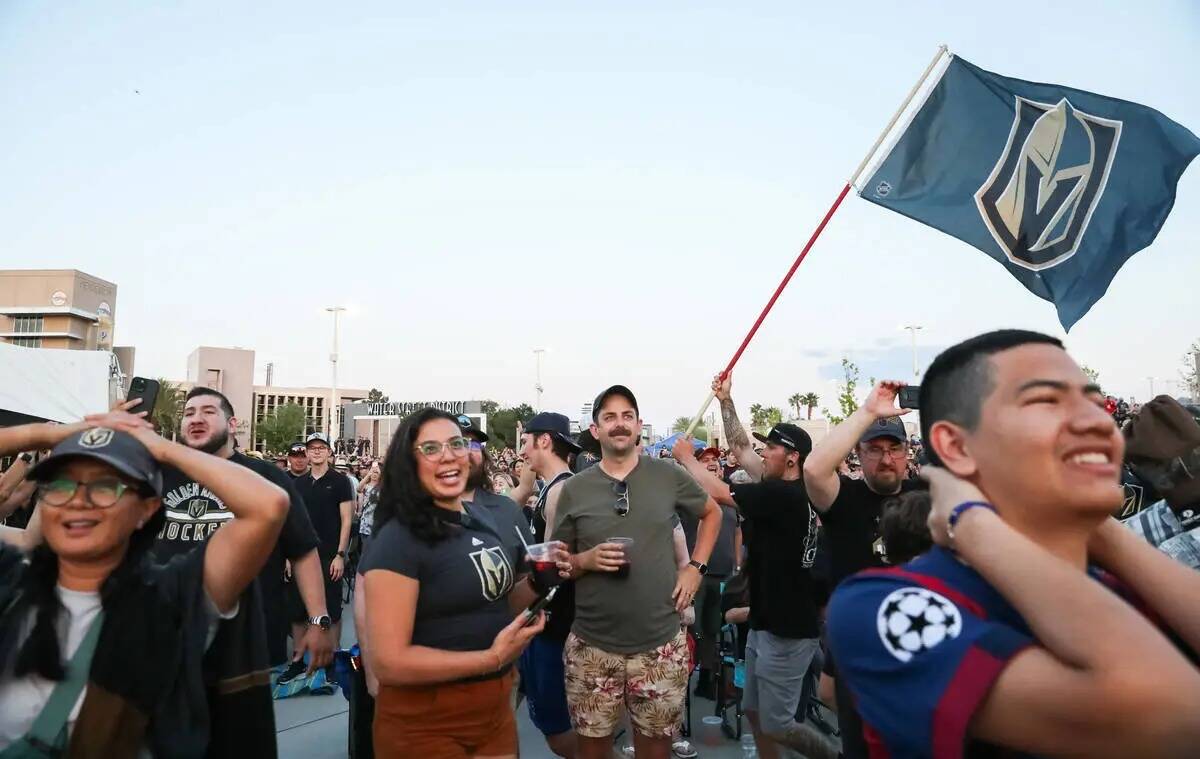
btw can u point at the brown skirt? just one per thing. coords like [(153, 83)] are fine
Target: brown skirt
[(446, 720)]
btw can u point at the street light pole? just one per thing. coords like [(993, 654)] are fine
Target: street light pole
[(333, 361), (1151, 387), (538, 387), (912, 329)]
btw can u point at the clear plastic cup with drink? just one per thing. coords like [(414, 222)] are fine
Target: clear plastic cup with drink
[(625, 544), (543, 556)]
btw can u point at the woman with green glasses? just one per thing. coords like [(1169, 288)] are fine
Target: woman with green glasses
[(441, 590), (100, 648)]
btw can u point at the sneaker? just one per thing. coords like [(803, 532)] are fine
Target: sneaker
[(628, 751), (684, 750), (294, 670)]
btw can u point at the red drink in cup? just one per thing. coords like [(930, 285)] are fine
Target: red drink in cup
[(625, 544), (545, 569)]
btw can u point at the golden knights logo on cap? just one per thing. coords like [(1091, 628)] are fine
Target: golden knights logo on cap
[(96, 437)]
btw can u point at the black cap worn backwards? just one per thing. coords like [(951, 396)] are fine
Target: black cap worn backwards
[(120, 450), (789, 436), (554, 424), (470, 430), (620, 390)]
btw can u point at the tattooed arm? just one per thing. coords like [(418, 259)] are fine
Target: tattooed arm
[(738, 440)]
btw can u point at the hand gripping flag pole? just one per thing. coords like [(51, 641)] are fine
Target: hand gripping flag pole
[(941, 51)]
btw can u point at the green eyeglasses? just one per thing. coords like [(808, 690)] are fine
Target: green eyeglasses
[(100, 494), (431, 450)]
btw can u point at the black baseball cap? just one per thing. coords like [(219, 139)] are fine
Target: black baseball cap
[(296, 448), (317, 437), (469, 428), (554, 424), (120, 450), (789, 436), (889, 426), (620, 390)]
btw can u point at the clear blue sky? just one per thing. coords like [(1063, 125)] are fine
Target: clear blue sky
[(620, 183)]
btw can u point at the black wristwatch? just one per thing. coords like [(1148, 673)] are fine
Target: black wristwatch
[(26, 457), (323, 621), (341, 554), (703, 568)]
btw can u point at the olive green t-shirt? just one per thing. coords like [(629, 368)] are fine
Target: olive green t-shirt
[(633, 614)]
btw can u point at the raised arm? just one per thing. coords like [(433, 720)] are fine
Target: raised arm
[(1078, 692), (821, 467), (738, 440), (237, 551), (685, 455)]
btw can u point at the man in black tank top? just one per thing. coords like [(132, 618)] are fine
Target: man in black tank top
[(546, 445)]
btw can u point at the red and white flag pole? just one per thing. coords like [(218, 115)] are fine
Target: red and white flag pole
[(817, 233)]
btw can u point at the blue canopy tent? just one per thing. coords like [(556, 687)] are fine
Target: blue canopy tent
[(669, 443)]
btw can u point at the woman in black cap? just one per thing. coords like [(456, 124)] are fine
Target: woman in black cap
[(100, 648)]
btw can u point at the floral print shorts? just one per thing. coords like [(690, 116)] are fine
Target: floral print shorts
[(651, 685)]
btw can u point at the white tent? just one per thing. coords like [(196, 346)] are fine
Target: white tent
[(58, 385)]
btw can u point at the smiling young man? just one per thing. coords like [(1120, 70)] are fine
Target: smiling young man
[(627, 650), (1028, 629)]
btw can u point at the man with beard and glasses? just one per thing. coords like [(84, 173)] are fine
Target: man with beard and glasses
[(850, 509), (479, 484), (329, 498), (240, 654), (627, 650), (783, 648)]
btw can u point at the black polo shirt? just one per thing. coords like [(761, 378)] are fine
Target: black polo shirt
[(463, 580), (324, 497)]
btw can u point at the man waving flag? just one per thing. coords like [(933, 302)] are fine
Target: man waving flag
[(1059, 185)]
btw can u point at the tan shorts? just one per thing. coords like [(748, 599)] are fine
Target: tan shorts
[(650, 685)]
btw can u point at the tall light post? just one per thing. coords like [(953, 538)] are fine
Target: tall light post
[(1151, 380), (333, 361), (912, 329), (538, 387)]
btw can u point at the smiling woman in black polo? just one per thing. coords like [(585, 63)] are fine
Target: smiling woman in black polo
[(441, 591)]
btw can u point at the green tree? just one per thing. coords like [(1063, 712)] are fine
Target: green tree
[(1092, 374), (681, 425), (1189, 374), (279, 429), (763, 418), (168, 409), (375, 395), (810, 401), (794, 404), (847, 402), (502, 423)]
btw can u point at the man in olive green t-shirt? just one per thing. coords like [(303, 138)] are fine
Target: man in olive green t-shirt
[(628, 596)]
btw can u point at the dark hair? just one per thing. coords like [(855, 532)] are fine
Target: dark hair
[(960, 378), (904, 526), (40, 653), (226, 406), (401, 495)]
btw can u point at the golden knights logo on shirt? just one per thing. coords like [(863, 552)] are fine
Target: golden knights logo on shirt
[(495, 573), (193, 513)]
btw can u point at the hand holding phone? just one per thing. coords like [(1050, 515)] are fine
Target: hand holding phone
[(145, 390), (537, 606), (910, 397)]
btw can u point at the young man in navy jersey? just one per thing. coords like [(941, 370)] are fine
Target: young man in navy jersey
[(1037, 625)]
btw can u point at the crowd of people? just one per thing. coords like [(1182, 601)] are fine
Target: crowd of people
[(966, 592)]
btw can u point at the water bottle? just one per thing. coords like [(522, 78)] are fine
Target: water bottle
[(749, 749)]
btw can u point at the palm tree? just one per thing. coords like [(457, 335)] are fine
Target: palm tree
[(810, 400), (681, 424), (168, 409), (795, 401)]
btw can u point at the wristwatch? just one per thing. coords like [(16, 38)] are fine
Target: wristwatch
[(26, 457), (323, 621), (702, 568), (341, 554)]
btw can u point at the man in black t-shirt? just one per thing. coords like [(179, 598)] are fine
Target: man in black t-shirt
[(193, 513), (850, 509), (780, 531), (329, 498), (297, 461)]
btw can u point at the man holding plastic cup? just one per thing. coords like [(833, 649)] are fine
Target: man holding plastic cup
[(627, 649)]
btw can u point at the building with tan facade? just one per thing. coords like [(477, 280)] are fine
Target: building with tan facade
[(56, 308)]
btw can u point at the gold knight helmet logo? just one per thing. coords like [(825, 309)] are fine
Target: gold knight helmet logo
[(495, 573), (1050, 177)]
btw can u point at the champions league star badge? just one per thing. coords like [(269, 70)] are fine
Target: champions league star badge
[(914, 620)]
